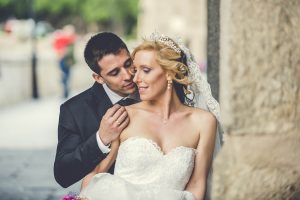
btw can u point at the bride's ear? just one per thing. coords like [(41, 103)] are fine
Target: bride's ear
[(168, 76)]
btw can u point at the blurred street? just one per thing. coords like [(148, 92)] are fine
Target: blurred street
[(28, 135)]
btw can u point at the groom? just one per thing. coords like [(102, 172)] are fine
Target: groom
[(90, 121)]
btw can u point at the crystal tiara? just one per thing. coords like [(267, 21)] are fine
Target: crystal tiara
[(155, 36)]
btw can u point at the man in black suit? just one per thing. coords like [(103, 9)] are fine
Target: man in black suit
[(90, 121)]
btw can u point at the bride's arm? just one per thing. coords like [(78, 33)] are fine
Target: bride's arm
[(104, 165), (197, 182)]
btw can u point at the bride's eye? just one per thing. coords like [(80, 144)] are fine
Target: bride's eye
[(146, 69)]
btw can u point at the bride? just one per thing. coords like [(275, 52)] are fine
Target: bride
[(167, 149)]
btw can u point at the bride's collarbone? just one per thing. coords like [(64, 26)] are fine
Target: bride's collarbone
[(166, 126), (158, 127), (154, 128), (157, 119), (143, 113), (164, 136)]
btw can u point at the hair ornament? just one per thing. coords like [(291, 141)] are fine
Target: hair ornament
[(156, 37)]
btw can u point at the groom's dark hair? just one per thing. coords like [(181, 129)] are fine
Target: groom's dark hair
[(102, 44)]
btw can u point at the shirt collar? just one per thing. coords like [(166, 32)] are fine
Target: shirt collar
[(114, 97)]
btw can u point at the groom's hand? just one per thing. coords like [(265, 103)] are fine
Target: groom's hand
[(113, 123)]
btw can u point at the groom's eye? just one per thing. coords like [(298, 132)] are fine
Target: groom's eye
[(132, 70), (128, 63), (114, 72)]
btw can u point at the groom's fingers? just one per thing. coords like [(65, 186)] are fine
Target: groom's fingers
[(117, 114), (111, 111), (109, 128), (122, 118), (124, 124)]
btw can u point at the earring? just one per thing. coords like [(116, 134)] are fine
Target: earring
[(170, 84)]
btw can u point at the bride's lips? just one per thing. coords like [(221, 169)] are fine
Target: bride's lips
[(129, 86), (142, 89)]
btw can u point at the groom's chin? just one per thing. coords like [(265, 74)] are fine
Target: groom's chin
[(130, 91)]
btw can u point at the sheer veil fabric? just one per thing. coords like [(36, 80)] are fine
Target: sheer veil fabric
[(203, 99)]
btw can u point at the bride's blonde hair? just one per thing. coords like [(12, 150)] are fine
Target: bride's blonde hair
[(171, 61)]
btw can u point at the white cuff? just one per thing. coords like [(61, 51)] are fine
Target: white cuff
[(102, 147)]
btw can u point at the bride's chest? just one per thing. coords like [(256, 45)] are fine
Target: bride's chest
[(167, 137), (141, 154), (141, 161)]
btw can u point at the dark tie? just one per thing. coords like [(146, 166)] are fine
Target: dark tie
[(126, 102)]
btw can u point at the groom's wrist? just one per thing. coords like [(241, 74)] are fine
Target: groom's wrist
[(105, 142), (104, 147)]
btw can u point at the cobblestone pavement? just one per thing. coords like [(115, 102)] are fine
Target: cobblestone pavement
[(28, 133)]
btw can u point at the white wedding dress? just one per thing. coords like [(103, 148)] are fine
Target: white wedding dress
[(143, 171)]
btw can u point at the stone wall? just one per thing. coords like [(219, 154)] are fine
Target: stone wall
[(260, 82)]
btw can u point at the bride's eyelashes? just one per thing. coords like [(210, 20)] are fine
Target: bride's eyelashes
[(146, 69)]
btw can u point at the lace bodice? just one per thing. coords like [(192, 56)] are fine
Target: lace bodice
[(141, 161), (143, 171)]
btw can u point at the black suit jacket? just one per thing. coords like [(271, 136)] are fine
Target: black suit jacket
[(77, 151)]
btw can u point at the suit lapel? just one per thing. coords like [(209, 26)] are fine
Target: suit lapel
[(99, 101)]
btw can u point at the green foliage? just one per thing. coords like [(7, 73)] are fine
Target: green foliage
[(92, 11), (59, 12), (4, 2), (14, 8), (56, 6)]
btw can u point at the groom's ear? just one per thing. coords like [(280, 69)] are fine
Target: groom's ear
[(98, 78)]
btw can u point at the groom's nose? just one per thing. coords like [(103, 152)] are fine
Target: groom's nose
[(126, 75), (136, 77)]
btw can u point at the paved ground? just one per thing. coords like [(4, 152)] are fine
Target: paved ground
[(27, 149)]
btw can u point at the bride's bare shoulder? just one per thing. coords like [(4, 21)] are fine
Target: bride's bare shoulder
[(134, 108), (201, 115)]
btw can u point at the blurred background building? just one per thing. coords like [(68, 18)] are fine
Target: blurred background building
[(131, 19), (28, 29), (184, 19)]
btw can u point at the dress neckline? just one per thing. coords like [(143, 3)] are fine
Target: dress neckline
[(156, 146)]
